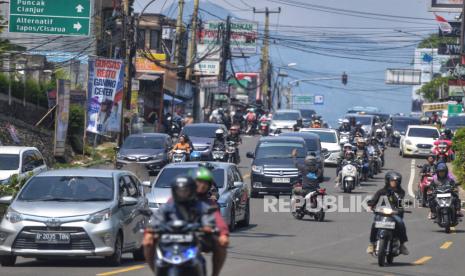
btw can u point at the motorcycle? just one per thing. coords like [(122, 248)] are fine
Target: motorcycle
[(179, 156), (423, 191), (446, 215), (349, 177), (218, 154), (299, 209), (443, 151), (250, 130), (387, 244), (345, 137), (179, 250), (231, 151), (363, 168), (264, 127)]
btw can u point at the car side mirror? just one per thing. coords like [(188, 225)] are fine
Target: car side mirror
[(28, 168), (146, 184), (128, 201), (238, 185), (116, 148), (6, 200), (324, 151), (250, 155), (300, 123)]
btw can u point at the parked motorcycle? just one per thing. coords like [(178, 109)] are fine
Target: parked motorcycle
[(218, 154), (446, 215), (179, 250), (299, 209), (349, 177), (231, 151), (179, 156)]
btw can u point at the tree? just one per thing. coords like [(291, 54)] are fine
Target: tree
[(430, 90), (434, 40), (5, 44)]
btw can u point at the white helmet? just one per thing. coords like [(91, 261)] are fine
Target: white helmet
[(347, 145), (378, 131), (345, 121), (219, 131)]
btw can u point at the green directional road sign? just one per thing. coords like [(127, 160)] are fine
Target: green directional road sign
[(454, 110), (51, 17)]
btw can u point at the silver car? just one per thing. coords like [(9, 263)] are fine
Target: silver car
[(74, 212), (234, 200)]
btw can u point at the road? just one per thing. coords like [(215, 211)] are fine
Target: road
[(277, 244)]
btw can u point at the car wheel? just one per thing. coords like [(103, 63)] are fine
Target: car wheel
[(138, 255), (8, 260), (232, 220), (246, 221), (115, 259)]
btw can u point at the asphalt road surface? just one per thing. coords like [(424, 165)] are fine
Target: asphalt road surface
[(277, 244)]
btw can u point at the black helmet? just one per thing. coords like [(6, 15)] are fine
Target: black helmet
[(448, 132), (184, 189), (393, 175), (310, 162)]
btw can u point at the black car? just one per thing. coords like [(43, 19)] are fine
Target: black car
[(202, 137), (396, 127), (273, 169), (313, 147), (307, 115), (149, 149)]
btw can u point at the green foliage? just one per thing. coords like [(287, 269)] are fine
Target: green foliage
[(459, 162), (76, 127), (35, 92), (434, 40), (15, 183), (430, 90)]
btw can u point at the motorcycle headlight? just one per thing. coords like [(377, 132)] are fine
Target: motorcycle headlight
[(257, 169), (99, 217), (408, 142), (13, 216), (396, 134), (387, 211)]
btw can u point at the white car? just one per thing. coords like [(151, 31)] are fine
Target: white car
[(285, 121), (418, 140), (329, 143), (20, 161)]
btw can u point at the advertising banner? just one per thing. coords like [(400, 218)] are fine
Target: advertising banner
[(145, 65), (447, 5), (62, 116), (105, 95)]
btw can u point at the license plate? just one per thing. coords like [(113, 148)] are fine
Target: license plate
[(53, 238), (283, 130), (281, 180), (385, 224), (443, 195), (425, 151), (176, 238)]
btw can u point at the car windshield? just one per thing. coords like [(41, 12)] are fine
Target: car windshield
[(423, 133), (363, 120), (307, 113), (9, 162), (200, 131), (455, 121), (326, 137), (286, 116), (167, 176), (143, 143), (402, 124), (68, 188), (280, 150)]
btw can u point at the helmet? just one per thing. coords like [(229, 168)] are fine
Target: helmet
[(361, 141), (204, 174), (345, 121), (349, 154), (347, 145), (393, 175), (447, 132), (189, 114), (358, 124), (310, 162), (219, 133), (379, 131), (183, 190), (442, 167)]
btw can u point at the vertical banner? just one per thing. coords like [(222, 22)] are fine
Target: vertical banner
[(61, 116), (105, 95)]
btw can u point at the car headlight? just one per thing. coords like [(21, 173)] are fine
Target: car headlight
[(408, 142), (98, 217), (257, 169), (13, 216)]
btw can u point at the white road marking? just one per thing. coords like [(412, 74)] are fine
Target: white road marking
[(412, 177)]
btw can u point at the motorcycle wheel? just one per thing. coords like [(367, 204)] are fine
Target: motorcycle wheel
[(298, 215), (320, 216), (390, 259), (447, 224), (382, 253)]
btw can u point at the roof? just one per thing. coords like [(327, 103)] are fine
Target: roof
[(406, 117), (305, 135), (197, 164), (287, 110), (81, 172), (153, 134), (318, 130), (423, 126), (14, 150), (281, 139), (203, 125), (359, 115)]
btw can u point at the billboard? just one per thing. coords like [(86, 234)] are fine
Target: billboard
[(62, 116), (250, 85), (447, 5), (105, 95), (145, 65), (403, 76)]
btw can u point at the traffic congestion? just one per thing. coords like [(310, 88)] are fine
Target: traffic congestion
[(203, 189)]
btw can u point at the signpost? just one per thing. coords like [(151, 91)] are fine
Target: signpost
[(454, 110), (50, 17)]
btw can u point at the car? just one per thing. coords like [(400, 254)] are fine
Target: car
[(313, 144), (202, 136), (148, 149), (418, 140), (307, 115), (455, 122), (234, 201), (329, 142), (273, 169), (285, 120), (74, 213), (367, 121), (397, 126), (21, 161)]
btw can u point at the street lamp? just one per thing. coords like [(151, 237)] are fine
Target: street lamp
[(282, 75)]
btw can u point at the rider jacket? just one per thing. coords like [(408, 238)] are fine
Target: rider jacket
[(235, 138), (359, 130), (428, 168), (394, 198), (309, 178), (344, 128), (195, 212), (219, 143)]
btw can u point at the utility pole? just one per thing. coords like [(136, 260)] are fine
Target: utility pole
[(462, 34), (192, 41), (226, 55), (265, 62), (179, 30)]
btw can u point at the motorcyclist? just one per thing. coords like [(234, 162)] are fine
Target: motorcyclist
[(183, 206), (309, 172), (316, 124), (435, 118), (379, 136), (208, 192), (219, 141), (238, 118), (251, 118), (345, 148), (235, 137), (390, 195), (349, 158), (440, 179), (358, 129), (182, 144), (446, 134), (345, 127), (361, 153), (189, 119), (428, 168)]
